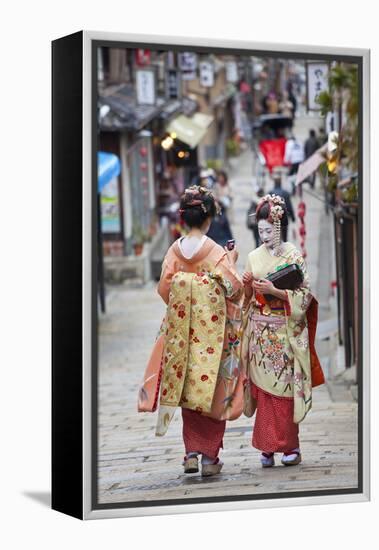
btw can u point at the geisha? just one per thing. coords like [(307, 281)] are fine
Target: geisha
[(278, 352), (197, 352)]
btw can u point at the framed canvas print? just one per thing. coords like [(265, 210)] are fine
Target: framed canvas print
[(210, 275)]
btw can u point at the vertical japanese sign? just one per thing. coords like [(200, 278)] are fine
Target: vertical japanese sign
[(173, 84), (188, 65), (232, 71), (146, 86), (317, 82), (206, 69)]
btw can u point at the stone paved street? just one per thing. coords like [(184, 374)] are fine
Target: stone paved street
[(136, 465)]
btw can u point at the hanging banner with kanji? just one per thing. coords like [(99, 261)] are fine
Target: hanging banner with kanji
[(317, 82)]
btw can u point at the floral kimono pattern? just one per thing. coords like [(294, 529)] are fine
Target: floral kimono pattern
[(276, 350), (201, 359)]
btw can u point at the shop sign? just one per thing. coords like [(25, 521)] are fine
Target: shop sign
[(146, 86), (187, 61), (317, 82), (231, 71), (110, 208), (206, 69), (173, 84)]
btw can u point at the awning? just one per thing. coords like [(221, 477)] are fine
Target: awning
[(310, 165), (123, 111), (202, 120), (108, 168), (189, 130)]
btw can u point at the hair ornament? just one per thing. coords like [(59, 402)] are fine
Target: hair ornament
[(276, 204)]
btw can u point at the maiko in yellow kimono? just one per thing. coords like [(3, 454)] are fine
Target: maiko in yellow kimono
[(201, 342), (278, 353)]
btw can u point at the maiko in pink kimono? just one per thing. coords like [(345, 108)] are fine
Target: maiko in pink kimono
[(199, 342)]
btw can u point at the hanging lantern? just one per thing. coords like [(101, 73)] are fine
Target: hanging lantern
[(301, 209), (332, 164)]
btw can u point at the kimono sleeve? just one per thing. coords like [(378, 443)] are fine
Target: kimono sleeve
[(233, 286), (167, 273), (299, 299)]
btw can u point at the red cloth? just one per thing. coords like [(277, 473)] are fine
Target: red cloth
[(274, 428), (273, 151), (202, 434), (316, 369)]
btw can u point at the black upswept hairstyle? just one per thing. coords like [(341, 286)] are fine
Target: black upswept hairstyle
[(263, 213), (197, 205)]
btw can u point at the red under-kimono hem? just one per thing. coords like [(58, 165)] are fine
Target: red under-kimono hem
[(274, 428), (202, 434)]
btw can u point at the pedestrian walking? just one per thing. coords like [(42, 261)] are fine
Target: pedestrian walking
[(199, 337), (279, 191), (251, 221), (223, 193), (270, 103), (286, 107), (278, 352), (293, 156), (310, 147), (219, 229), (292, 98)]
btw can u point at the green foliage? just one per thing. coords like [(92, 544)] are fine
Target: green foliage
[(324, 99), (339, 77), (215, 164), (332, 183), (323, 169), (139, 236), (350, 193), (232, 148), (343, 95)]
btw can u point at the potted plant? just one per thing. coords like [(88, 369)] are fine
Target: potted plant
[(139, 238), (232, 147)]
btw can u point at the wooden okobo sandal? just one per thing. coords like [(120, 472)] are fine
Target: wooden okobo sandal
[(294, 461), (211, 469), (191, 465)]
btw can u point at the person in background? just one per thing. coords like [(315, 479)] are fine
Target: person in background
[(207, 178), (270, 103), (280, 192), (251, 221), (293, 156), (286, 106), (292, 98), (223, 194), (219, 229), (310, 147)]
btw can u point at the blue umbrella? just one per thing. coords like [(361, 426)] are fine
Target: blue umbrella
[(108, 167)]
